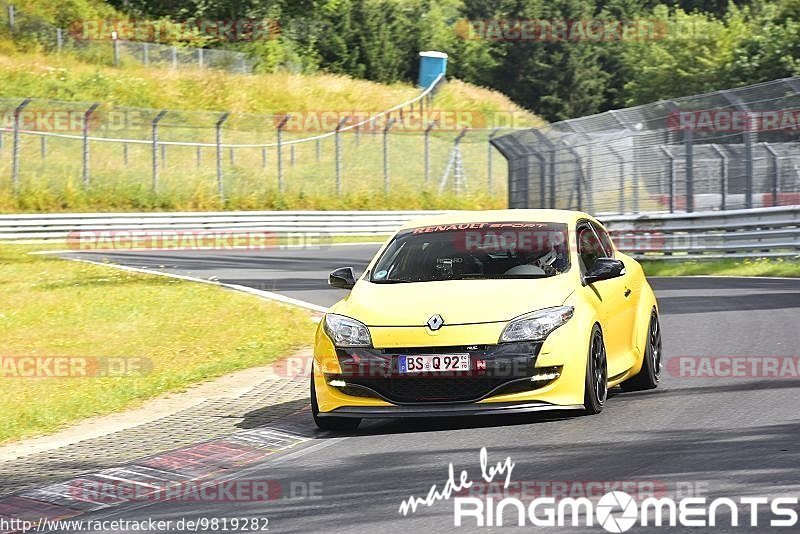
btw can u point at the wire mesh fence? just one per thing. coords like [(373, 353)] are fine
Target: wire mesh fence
[(50, 147), (96, 45), (738, 148)]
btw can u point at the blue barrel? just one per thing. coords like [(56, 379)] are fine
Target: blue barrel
[(431, 65)]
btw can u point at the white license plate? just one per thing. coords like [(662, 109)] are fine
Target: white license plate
[(433, 363)]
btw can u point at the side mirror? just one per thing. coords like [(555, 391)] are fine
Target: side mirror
[(342, 278), (604, 269)]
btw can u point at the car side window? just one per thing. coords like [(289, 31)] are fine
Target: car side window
[(605, 240), (589, 248)]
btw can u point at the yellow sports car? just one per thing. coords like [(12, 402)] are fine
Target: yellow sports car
[(488, 312)]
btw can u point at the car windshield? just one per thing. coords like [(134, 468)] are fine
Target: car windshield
[(474, 251)]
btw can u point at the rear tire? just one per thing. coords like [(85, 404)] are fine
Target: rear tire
[(650, 373), (336, 424), (596, 386)]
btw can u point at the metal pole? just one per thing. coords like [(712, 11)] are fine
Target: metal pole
[(15, 146), (116, 52), (688, 144), (200, 57), (43, 141), (776, 172), (164, 155), (291, 155), (11, 17), (723, 182), (280, 151), (218, 128), (553, 179), (428, 149), (86, 116), (174, 55), (589, 184), (231, 156), (671, 178), (125, 153), (154, 126), (59, 40), (339, 156), (490, 149), (263, 157), (145, 54), (542, 180), (198, 155), (748, 169), (386, 156), (318, 149)]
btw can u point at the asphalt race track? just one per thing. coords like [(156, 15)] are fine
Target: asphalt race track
[(716, 436)]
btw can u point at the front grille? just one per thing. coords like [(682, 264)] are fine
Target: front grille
[(501, 364)]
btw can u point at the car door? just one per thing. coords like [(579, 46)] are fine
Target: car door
[(613, 298)]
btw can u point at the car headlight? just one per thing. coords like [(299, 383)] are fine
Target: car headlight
[(346, 332), (536, 325)]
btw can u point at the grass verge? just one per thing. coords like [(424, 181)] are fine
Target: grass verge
[(187, 332), (788, 267)]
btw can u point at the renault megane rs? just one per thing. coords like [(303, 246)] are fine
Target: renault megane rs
[(491, 312)]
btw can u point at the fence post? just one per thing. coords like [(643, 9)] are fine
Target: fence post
[(200, 57), (337, 136), (59, 39), (145, 54), (263, 157), (589, 178), (154, 125), (671, 159), (748, 169), (318, 149), (125, 154), (218, 128), (115, 46), (198, 155), (291, 155), (688, 142), (542, 179), (174, 56), (43, 141), (386, 156), (11, 17), (164, 155), (15, 147), (723, 185), (428, 148), (776, 172), (280, 151), (490, 149), (86, 116)]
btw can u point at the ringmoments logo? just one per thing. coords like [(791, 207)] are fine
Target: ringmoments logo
[(615, 510)]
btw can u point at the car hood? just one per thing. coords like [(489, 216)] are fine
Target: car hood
[(457, 301)]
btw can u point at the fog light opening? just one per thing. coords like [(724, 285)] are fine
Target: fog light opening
[(545, 374), (337, 383)]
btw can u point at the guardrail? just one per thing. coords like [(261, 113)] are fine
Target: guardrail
[(761, 232)]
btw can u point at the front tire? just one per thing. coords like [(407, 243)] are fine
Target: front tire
[(650, 374), (596, 386), (336, 424)]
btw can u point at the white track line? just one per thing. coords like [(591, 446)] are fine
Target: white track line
[(258, 292)]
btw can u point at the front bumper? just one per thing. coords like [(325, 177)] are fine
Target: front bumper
[(359, 395), (446, 410)]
